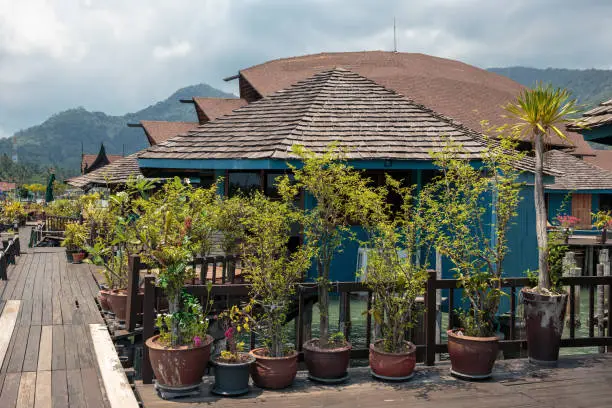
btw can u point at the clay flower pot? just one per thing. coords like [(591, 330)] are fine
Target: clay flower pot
[(544, 317), (327, 365), (178, 368), (273, 372), (117, 300), (78, 257), (232, 379), (472, 358), (103, 299), (392, 366)]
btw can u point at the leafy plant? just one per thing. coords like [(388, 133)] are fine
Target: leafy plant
[(462, 201), (341, 195), (191, 322), (602, 219), (267, 264), (13, 211), (75, 236), (235, 320)]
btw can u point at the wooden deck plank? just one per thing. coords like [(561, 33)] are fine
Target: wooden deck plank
[(16, 275), (75, 388), (84, 346), (10, 390), (27, 390), (19, 349), (56, 290), (59, 389), (37, 294), (58, 358), (44, 397), (117, 388), (8, 319), (72, 353), (30, 362), (47, 292), (45, 352), (92, 393)]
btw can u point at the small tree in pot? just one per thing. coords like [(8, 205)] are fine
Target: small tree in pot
[(75, 240), (541, 113), (396, 274), (273, 273), (473, 209), (339, 191), (164, 230)]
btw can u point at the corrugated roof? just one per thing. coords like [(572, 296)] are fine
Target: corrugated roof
[(116, 172), (578, 174), (594, 118), (452, 88), (213, 108), (159, 131), (337, 105)]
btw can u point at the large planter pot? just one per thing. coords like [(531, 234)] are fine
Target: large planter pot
[(472, 358), (78, 257), (544, 317), (232, 379), (103, 299), (117, 300), (392, 366), (327, 365), (273, 372), (178, 368)]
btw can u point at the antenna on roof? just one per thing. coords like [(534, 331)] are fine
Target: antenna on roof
[(394, 37)]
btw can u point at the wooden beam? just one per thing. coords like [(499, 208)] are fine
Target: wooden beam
[(7, 323)]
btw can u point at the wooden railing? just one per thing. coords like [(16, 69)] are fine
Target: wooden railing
[(58, 223), (424, 336), (11, 248)]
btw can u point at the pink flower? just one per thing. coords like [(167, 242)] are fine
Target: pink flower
[(229, 333), (197, 341)]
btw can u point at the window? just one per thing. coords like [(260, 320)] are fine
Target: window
[(244, 182), (605, 202)]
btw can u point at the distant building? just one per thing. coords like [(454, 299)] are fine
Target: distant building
[(91, 162)]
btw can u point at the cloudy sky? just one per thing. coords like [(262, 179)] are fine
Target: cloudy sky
[(119, 56)]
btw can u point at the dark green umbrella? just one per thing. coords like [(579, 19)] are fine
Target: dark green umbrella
[(49, 192)]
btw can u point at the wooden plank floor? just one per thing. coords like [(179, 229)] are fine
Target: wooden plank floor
[(50, 359), (578, 382)]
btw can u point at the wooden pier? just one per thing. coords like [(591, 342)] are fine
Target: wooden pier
[(48, 355)]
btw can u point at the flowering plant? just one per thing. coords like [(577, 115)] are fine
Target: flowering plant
[(191, 321), (235, 321), (568, 221), (602, 219)]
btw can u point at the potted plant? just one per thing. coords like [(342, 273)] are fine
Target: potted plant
[(164, 224), (75, 240), (540, 113), (460, 201), (602, 220), (397, 276), (232, 365), (273, 273), (338, 191), (567, 223)]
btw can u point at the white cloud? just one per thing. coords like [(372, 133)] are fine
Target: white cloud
[(175, 50)]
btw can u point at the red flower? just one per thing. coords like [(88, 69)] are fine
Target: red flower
[(229, 333)]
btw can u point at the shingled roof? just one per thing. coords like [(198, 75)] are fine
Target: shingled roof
[(117, 172), (452, 88), (212, 108), (159, 131), (337, 105), (594, 118), (601, 158), (578, 174)]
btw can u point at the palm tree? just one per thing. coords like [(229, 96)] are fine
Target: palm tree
[(540, 112)]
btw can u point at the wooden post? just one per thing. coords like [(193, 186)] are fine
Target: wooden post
[(147, 327), (3, 266), (600, 307), (345, 314), (17, 245), (570, 269), (439, 301), (430, 325), (132, 293)]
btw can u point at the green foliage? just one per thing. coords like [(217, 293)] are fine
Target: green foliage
[(341, 195), (268, 265), (397, 266), (228, 214), (12, 211), (235, 320), (602, 219), (64, 208), (27, 170), (75, 236), (461, 202), (190, 320)]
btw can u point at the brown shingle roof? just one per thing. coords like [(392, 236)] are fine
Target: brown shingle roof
[(116, 172), (578, 174), (159, 131), (601, 158), (336, 105), (212, 108), (88, 159), (596, 117), (452, 88)]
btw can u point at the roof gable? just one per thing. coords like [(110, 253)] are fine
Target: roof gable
[(212, 108), (159, 131)]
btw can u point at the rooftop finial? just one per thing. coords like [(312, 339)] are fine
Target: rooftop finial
[(394, 37)]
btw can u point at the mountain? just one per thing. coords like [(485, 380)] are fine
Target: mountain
[(589, 86), (57, 141)]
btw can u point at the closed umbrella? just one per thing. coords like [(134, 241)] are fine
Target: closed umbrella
[(49, 192)]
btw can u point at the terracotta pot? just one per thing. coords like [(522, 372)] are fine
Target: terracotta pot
[(178, 367), (273, 372), (103, 299), (117, 300), (472, 357), (78, 257), (232, 379), (392, 366), (544, 317), (326, 365)]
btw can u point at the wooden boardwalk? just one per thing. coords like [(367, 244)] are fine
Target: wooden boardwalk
[(578, 382), (50, 360)]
